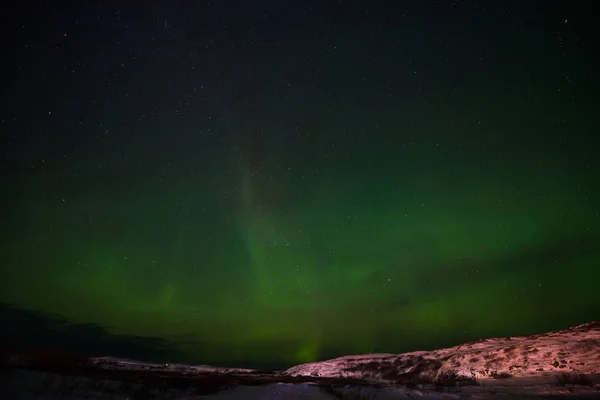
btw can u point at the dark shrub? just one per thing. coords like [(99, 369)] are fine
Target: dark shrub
[(500, 375), (573, 379), (451, 378)]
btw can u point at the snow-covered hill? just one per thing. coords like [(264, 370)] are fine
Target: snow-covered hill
[(561, 364), (575, 351)]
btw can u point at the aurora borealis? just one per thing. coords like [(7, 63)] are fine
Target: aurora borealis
[(263, 185)]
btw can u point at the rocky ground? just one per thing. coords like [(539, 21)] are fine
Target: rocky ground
[(561, 364)]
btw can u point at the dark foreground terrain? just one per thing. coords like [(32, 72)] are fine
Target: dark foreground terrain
[(556, 365)]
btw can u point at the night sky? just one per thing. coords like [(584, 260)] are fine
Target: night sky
[(273, 182)]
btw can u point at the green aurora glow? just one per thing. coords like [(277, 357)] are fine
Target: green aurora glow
[(291, 233)]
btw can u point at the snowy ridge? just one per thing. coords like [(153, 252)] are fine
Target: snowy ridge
[(574, 350), (561, 364), (113, 363)]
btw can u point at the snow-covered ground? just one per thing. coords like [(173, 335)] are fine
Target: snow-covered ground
[(561, 364), (575, 350)]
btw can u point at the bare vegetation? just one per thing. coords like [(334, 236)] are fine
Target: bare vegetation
[(451, 379), (500, 375), (573, 379)]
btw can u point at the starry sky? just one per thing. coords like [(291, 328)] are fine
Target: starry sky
[(267, 183)]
